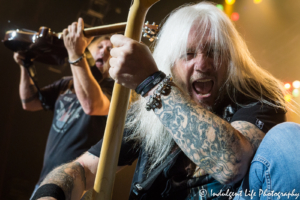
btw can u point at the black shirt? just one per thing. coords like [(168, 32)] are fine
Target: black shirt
[(261, 115), (72, 131)]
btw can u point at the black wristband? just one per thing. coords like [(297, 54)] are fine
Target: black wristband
[(49, 190), (141, 86), (150, 83), (153, 83)]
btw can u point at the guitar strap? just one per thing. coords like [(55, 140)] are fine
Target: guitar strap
[(31, 71), (141, 187)]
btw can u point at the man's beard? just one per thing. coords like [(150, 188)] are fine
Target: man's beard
[(149, 133)]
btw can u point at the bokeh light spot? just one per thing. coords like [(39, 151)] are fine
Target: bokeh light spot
[(257, 1), (287, 97), (287, 86), (230, 2), (296, 84), (235, 16), (295, 92), (220, 6)]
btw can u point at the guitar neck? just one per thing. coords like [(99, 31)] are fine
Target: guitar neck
[(102, 30)]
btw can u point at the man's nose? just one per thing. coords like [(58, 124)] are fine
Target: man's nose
[(105, 51), (202, 63), (101, 51)]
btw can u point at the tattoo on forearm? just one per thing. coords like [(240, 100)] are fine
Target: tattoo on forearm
[(206, 139), (34, 94), (65, 177), (245, 128)]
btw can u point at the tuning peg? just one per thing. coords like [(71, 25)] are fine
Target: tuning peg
[(147, 22), (153, 23), (152, 39), (146, 35), (151, 32)]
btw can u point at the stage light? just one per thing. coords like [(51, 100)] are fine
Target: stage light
[(230, 2), (257, 1), (287, 86), (287, 97), (295, 92), (220, 6), (296, 84), (235, 16)]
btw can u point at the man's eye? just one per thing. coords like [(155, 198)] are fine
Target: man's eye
[(190, 55), (187, 56), (210, 53), (100, 47)]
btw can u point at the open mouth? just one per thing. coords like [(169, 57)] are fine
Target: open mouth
[(99, 61), (203, 87)]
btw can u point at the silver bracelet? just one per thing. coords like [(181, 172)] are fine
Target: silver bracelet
[(155, 100), (78, 60)]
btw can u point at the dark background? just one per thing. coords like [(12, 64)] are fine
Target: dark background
[(271, 30)]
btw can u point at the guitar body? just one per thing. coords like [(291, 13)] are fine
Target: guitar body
[(48, 47)]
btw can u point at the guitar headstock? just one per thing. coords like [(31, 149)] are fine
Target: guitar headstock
[(150, 31)]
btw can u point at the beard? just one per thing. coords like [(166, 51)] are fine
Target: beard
[(149, 133)]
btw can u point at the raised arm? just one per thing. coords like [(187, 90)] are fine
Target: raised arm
[(88, 91), (27, 90)]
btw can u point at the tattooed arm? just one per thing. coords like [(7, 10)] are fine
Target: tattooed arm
[(223, 150), (74, 177), (27, 90)]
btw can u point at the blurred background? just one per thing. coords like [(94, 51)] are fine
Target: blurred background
[(271, 29)]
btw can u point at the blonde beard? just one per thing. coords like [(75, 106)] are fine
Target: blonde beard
[(149, 133)]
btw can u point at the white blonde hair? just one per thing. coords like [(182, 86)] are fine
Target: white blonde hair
[(244, 75)]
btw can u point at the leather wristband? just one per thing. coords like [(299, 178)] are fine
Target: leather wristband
[(49, 190), (150, 83)]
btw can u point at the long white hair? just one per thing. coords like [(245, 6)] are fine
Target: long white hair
[(244, 75)]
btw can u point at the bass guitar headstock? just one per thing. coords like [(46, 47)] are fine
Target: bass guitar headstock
[(150, 31)]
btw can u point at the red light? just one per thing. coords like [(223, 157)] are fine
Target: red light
[(235, 16), (287, 86)]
